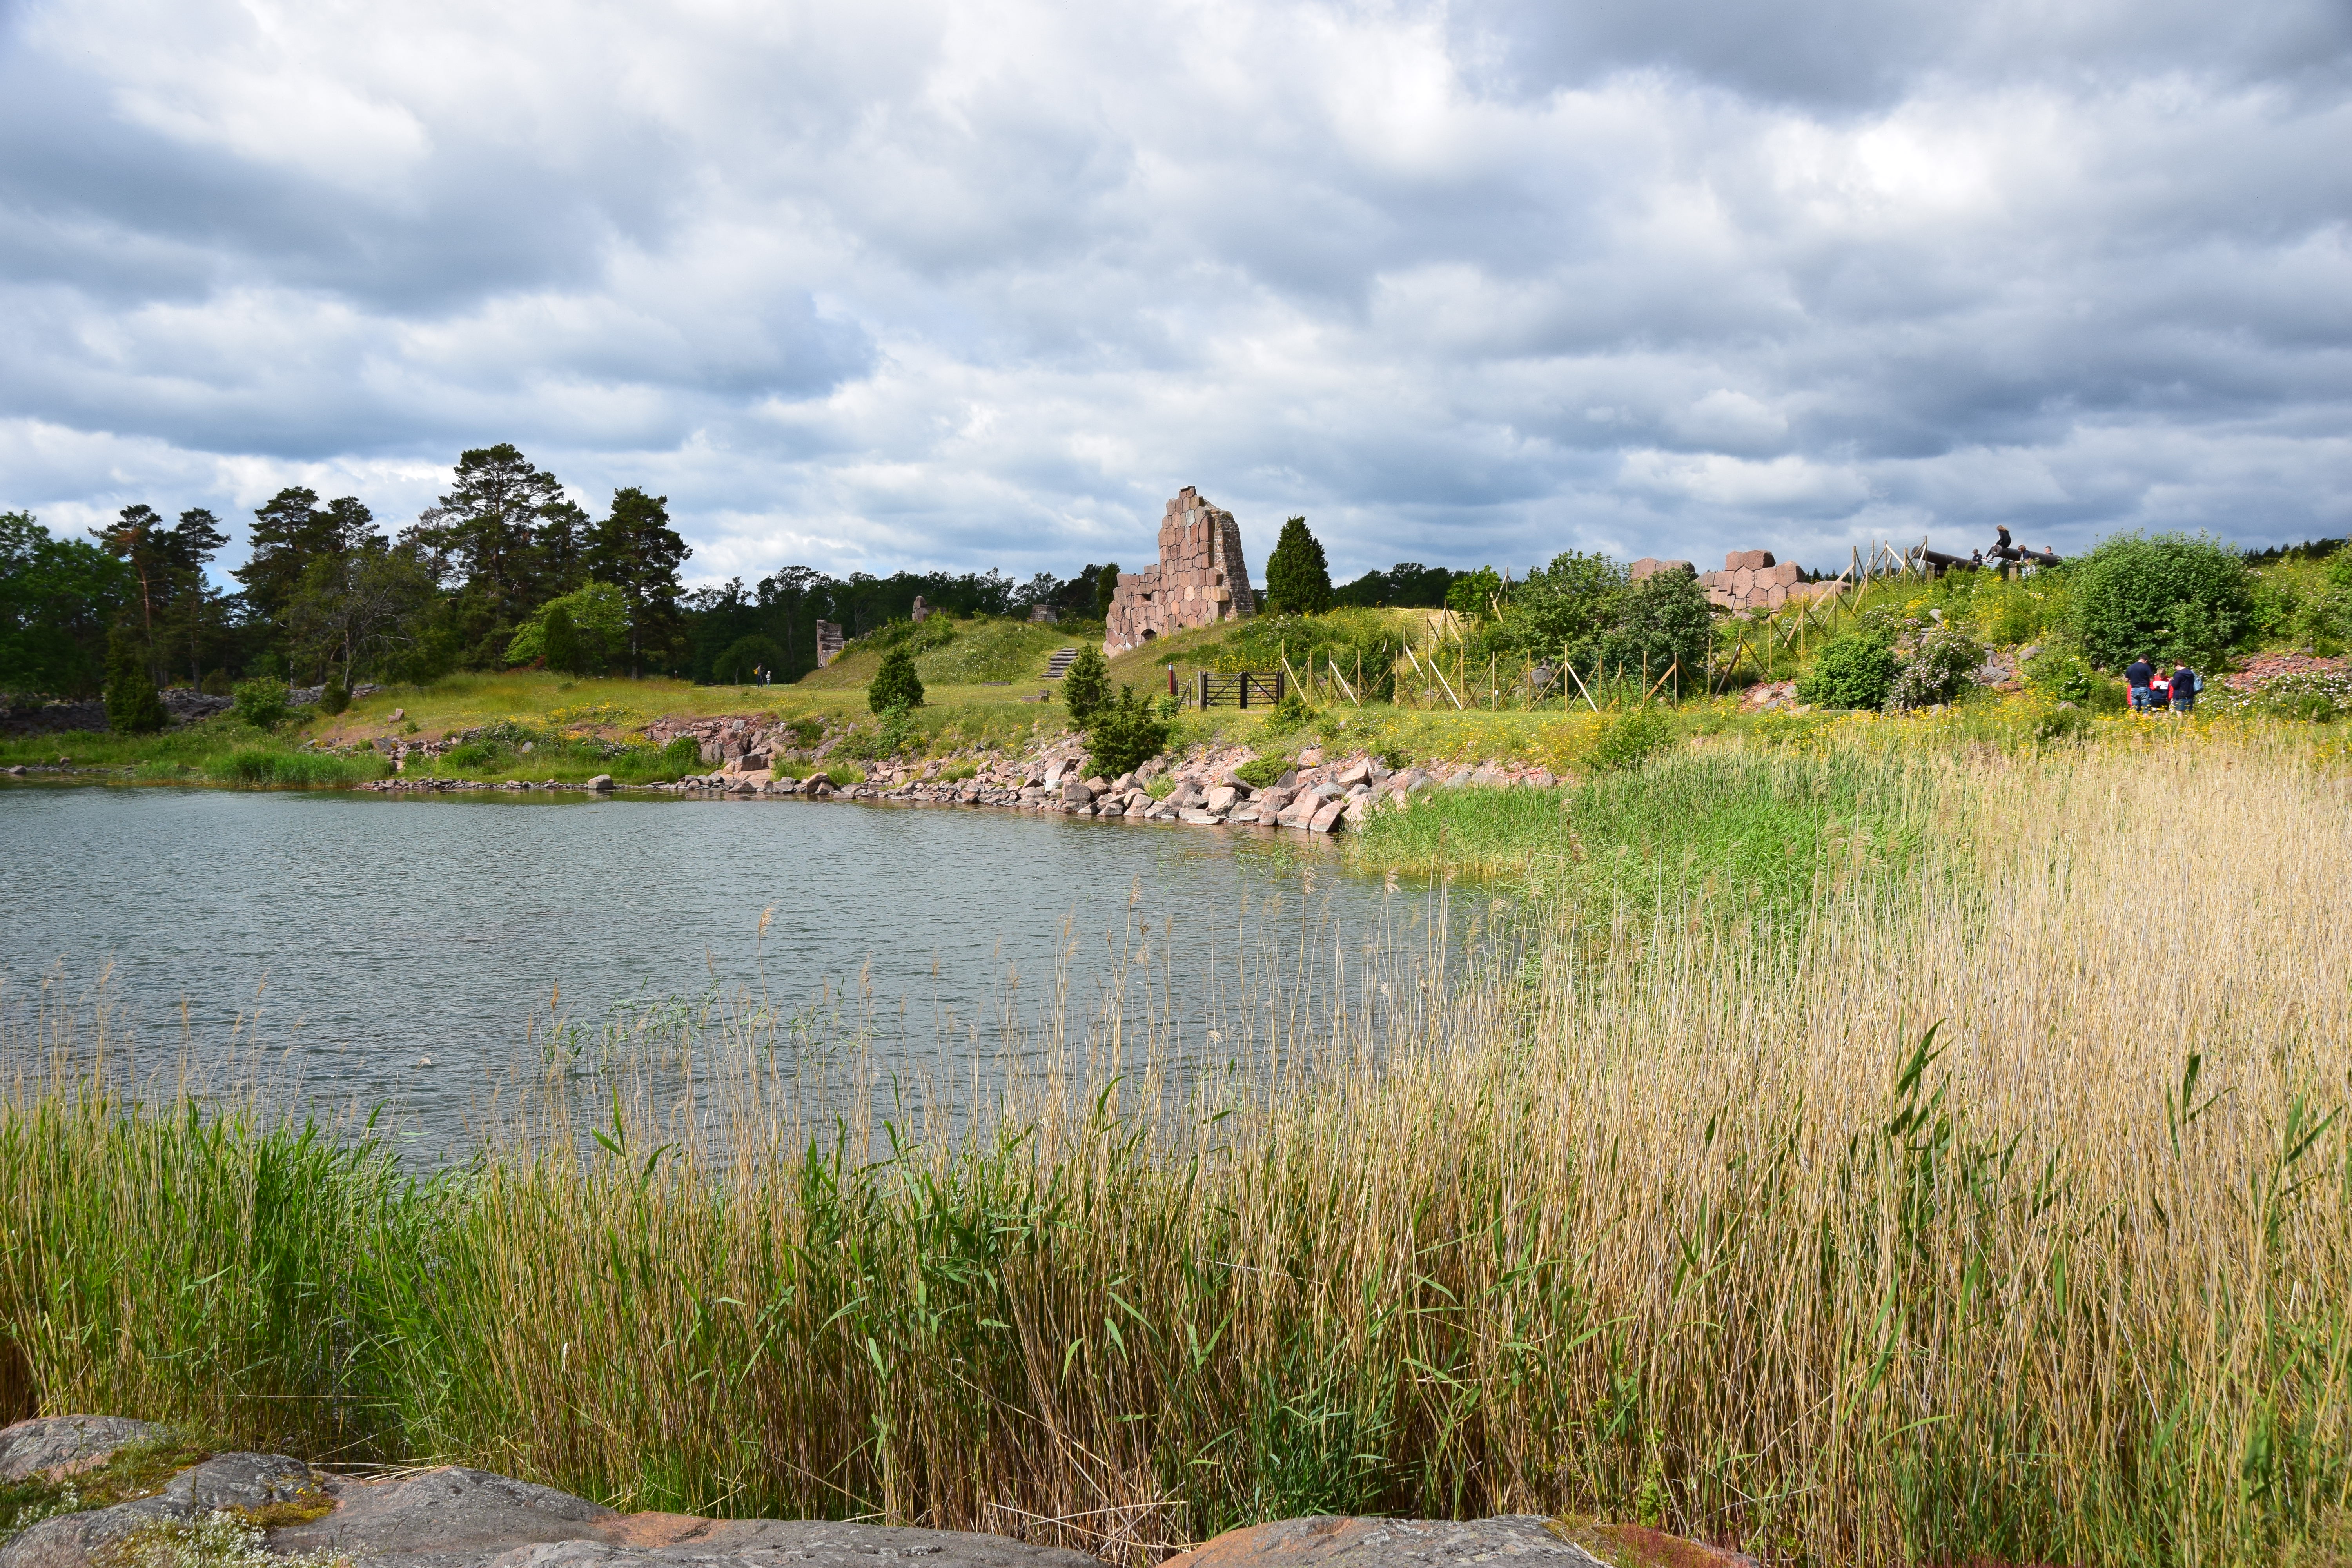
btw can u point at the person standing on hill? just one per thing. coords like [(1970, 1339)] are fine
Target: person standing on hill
[(2137, 675), (2184, 688)]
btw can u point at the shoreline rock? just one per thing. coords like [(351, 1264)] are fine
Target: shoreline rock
[(456, 1516)]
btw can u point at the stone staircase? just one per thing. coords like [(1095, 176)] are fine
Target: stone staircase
[(1059, 665)]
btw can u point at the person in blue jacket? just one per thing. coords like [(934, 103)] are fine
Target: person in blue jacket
[(2138, 675), (2185, 686)]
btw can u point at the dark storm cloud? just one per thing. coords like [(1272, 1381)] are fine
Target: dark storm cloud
[(907, 284)]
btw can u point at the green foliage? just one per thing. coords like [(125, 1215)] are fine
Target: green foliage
[(56, 596), (744, 658), (1562, 609), (1290, 711), (132, 704), (1263, 772), (2314, 695), (2167, 596), (895, 684), (334, 697), (1854, 669), (1355, 640), (1106, 589), (1632, 736), (578, 634), (1657, 624), (896, 734), (1475, 593), (1297, 576), (1125, 735), (260, 703), (560, 641), (266, 766), (2306, 603), (933, 631), (1938, 670), (2060, 675), (1085, 685)]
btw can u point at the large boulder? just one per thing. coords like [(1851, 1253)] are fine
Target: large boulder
[(1521, 1539), (248, 1482), (54, 1446)]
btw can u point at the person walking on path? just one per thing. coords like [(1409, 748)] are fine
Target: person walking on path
[(2137, 674), (2184, 688)]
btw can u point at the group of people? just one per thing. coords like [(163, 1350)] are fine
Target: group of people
[(2152, 690), (2004, 550)]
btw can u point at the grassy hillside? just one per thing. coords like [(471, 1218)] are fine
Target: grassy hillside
[(976, 652)]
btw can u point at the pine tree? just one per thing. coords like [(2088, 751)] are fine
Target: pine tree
[(1297, 577), (895, 684), (132, 708), (1085, 685), (289, 532), (636, 551), (485, 528)]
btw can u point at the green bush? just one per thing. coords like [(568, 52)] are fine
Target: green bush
[(133, 707), (2060, 675), (1290, 712), (1937, 671), (260, 703), (1125, 735), (1661, 622), (1262, 773), (683, 755), (334, 697), (2169, 595), (594, 626), (1085, 685), (895, 684), (1632, 736), (1855, 669)]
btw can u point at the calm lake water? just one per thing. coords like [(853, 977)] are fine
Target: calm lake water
[(417, 954)]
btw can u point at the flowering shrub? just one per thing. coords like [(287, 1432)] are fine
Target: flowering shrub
[(1938, 670), (2315, 695)]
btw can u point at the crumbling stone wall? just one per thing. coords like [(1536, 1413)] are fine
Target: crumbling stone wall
[(1202, 577), (1753, 579)]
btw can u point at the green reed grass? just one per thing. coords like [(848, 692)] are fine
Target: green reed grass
[(1965, 1226)]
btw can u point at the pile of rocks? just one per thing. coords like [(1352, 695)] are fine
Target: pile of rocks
[(1203, 788), (2263, 668), (455, 1517), (1754, 580)]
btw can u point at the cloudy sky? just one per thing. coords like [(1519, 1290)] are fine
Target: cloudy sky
[(908, 285)]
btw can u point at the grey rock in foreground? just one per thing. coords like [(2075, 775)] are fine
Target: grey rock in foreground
[(1335, 1542), (225, 1481), (453, 1517), (57, 1446), (459, 1518)]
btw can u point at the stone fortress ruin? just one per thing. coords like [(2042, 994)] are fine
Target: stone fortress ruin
[(1200, 578)]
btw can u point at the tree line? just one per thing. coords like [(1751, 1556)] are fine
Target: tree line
[(325, 595)]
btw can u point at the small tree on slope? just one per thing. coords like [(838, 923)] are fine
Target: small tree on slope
[(895, 685), (1297, 577), (1085, 685)]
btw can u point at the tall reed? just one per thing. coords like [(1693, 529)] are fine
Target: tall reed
[(2003, 1213)]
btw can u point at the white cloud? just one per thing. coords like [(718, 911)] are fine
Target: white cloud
[(912, 284)]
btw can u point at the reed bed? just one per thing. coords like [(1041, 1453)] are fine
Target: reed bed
[(1998, 1213)]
